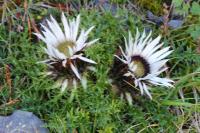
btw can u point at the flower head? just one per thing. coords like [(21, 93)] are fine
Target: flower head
[(65, 49), (145, 60)]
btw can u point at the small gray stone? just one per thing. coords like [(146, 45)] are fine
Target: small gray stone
[(21, 122), (174, 24), (153, 18), (107, 5)]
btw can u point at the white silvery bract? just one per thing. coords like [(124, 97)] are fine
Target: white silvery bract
[(146, 60), (64, 45)]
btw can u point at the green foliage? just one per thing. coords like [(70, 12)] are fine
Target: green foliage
[(181, 7), (97, 109), (194, 31), (195, 9), (192, 10), (153, 5), (119, 1), (3, 43)]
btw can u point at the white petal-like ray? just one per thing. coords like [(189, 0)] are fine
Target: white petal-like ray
[(141, 40), (84, 82), (152, 44), (89, 30), (64, 85), (92, 42), (141, 88), (124, 61), (129, 98), (40, 37), (74, 69), (149, 53), (156, 66), (55, 30), (83, 37), (66, 26), (87, 60), (59, 54), (155, 57), (146, 90), (143, 43), (49, 35), (81, 40), (76, 27), (72, 24), (122, 51), (164, 55), (50, 51), (64, 62), (164, 81), (133, 46), (71, 51), (126, 44)]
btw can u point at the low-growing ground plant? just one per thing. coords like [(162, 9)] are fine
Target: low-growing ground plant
[(24, 86)]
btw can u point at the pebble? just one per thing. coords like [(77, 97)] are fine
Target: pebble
[(22, 122)]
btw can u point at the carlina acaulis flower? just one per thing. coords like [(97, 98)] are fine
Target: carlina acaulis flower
[(141, 63), (65, 49)]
